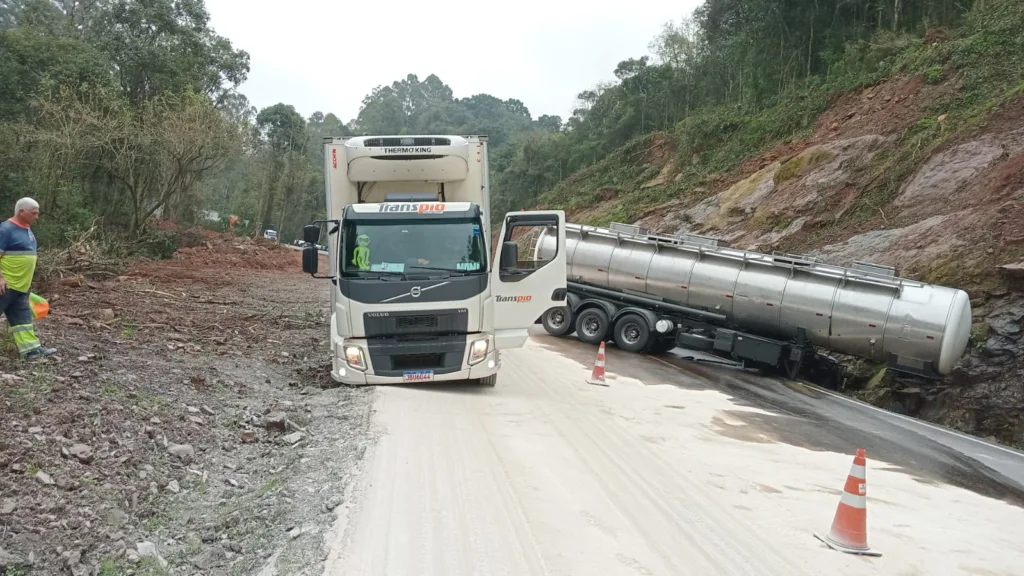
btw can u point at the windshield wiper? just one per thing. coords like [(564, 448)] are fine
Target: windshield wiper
[(380, 275), (439, 269)]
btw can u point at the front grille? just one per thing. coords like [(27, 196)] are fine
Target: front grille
[(436, 323), (407, 323), (391, 356), (400, 142), (417, 361)]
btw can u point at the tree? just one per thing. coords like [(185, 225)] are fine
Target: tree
[(160, 46), (155, 155), (284, 132)]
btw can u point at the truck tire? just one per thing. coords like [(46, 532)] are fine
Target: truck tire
[(558, 321), (592, 326), (632, 333), (487, 382)]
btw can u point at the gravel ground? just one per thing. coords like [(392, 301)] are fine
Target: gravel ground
[(188, 424)]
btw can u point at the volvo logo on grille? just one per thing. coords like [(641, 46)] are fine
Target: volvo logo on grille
[(415, 292)]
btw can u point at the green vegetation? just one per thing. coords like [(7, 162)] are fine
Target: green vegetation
[(808, 159), (103, 117), (713, 140), (987, 54)]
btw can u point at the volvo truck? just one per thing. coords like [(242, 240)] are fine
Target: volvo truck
[(415, 294), (651, 292)]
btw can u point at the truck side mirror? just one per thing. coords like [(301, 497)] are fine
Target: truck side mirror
[(509, 255), (311, 234), (310, 257)]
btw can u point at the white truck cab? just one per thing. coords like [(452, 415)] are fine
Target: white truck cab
[(415, 293)]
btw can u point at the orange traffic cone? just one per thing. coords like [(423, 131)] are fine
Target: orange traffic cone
[(597, 376), (849, 532)]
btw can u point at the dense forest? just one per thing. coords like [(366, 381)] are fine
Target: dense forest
[(120, 110)]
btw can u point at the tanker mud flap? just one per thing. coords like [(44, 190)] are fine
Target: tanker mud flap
[(793, 364)]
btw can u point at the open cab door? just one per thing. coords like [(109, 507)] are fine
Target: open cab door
[(523, 284)]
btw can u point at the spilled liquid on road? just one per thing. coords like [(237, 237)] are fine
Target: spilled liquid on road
[(806, 417)]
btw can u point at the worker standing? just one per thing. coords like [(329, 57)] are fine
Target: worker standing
[(17, 266)]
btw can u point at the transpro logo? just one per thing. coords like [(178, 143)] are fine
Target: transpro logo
[(421, 208), (516, 299)]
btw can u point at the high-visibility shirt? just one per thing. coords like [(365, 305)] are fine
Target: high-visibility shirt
[(17, 254)]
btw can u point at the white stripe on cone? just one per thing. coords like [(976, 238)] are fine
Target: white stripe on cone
[(597, 376)]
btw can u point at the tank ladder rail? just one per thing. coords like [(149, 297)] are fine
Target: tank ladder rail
[(861, 272)]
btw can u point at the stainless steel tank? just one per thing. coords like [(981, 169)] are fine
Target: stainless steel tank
[(864, 310)]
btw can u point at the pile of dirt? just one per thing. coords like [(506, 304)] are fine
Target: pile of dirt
[(214, 257), (174, 427), (226, 250)]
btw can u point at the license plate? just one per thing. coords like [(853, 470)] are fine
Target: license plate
[(418, 376)]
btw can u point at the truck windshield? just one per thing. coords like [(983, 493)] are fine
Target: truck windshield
[(405, 246)]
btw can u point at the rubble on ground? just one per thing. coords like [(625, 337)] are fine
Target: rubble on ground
[(143, 442), (224, 249)]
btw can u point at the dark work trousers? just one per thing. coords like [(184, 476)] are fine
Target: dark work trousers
[(15, 306)]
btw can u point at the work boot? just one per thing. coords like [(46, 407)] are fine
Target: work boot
[(39, 353)]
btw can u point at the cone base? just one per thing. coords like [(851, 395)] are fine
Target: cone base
[(596, 382), (839, 547)]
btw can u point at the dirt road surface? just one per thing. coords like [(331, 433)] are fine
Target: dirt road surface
[(183, 426), (673, 469)]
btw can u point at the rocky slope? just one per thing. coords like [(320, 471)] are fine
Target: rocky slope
[(881, 177)]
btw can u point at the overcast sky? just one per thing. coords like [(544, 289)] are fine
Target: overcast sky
[(327, 55)]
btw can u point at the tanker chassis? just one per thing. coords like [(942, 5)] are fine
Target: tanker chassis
[(651, 293)]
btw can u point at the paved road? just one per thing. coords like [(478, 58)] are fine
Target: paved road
[(815, 418), (671, 469)]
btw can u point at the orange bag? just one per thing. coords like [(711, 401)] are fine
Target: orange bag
[(40, 307)]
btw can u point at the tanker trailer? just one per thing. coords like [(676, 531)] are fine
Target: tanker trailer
[(650, 293)]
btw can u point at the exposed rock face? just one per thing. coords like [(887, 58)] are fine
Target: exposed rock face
[(944, 174), (778, 200)]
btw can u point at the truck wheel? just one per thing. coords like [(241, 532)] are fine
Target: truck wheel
[(632, 333), (558, 321), (592, 325), (488, 382)]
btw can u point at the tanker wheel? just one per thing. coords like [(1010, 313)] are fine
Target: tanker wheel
[(632, 333), (558, 321), (592, 326)]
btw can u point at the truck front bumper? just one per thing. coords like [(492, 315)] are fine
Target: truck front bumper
[(419, 361)]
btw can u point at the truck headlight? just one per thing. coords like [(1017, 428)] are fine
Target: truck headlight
[(478, 351), (663, 325), (354, 357)]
